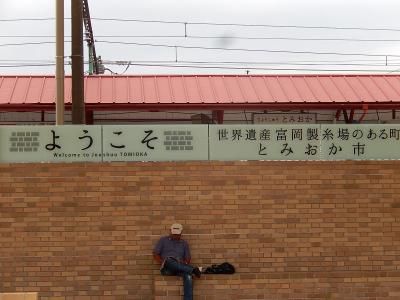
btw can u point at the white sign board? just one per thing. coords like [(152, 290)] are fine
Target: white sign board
[(284, 118), (81, 143), (155, 142), (67, 143), (304, 142), (354, 142), (264, 142)]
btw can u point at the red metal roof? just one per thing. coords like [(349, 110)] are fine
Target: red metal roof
[(208, 91)]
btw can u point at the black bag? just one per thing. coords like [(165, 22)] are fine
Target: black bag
[(224, 268)]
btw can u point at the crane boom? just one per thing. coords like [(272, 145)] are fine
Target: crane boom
[(93, 59)]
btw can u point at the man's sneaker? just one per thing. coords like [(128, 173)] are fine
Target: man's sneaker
[(197, 272)]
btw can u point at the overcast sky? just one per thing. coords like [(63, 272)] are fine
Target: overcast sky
[(280, 45)]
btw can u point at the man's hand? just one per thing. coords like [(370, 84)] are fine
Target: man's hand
[(186, 261), (157, 258)]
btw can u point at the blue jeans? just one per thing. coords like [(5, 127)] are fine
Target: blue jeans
[(173, 267)]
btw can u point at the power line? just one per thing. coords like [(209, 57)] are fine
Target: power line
[(126, 62), (26, 65), (292, 38), (246, 49), (216, 37), (175, 65), (27, 19), (21, 65), (102, 36), (252, 68), (288, 63), (214, 24), (247, 25), (200, 64), (27, 43), (211, 48), (28, 60), (294, 62)]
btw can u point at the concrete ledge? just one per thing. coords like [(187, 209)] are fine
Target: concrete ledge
[(19, 296), (274, 286), (208, 287)]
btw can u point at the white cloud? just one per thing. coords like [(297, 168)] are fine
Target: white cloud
[(26, 8)]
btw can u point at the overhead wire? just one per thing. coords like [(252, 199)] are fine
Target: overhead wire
[(125, 62), (215, 65), (31, 64), (233, 37), (27, 65), (212, 48), (212, 24), (27, 19), (209, 64), (175, 65), (27, 43), (254, 68), (294, 62), (247, 25), (291, 38), (27, 60), (246, 49)]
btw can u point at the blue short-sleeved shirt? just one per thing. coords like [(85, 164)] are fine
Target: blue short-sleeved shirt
[(167, 247)]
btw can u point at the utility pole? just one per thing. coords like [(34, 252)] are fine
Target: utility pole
[(60, 62), (78, 103)]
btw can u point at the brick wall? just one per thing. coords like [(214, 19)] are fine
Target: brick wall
[(294, 230)]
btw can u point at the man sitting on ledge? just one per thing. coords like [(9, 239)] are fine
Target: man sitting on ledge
[(173, 254)]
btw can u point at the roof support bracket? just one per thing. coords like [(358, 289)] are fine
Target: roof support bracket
[(351, 118), (218, 116), (338, 113), (89, 117), (346, 117), (365, 110)]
